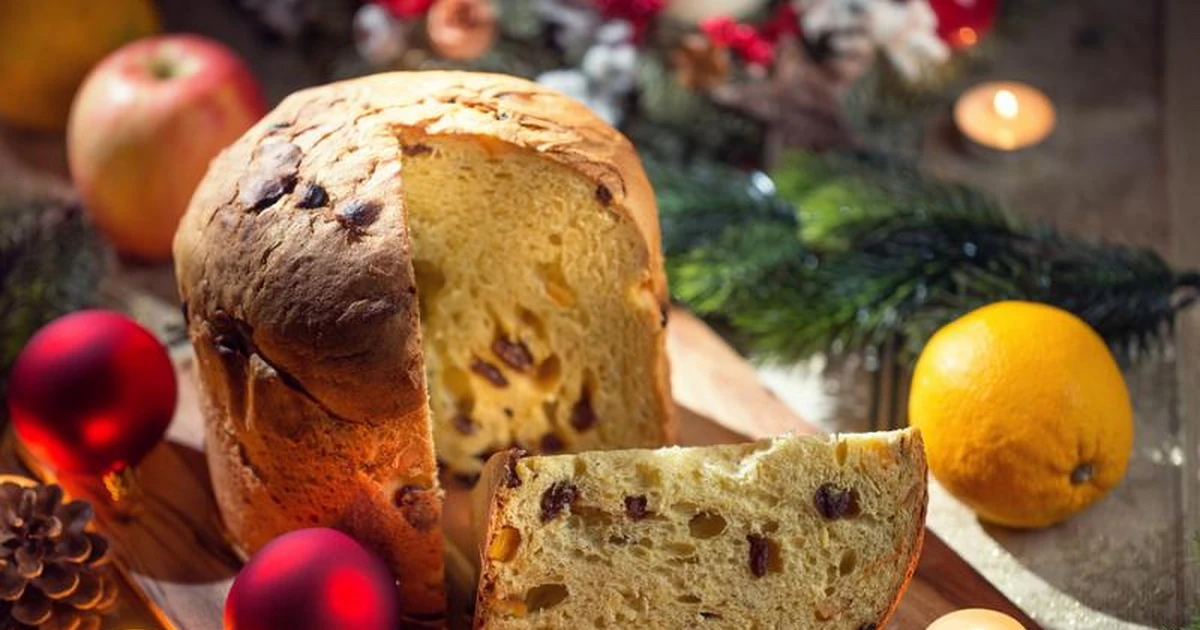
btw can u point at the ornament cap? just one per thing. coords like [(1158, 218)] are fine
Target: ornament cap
[(125, 493)]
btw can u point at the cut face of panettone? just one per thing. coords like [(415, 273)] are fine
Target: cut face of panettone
[(794, 532), (537, 313)]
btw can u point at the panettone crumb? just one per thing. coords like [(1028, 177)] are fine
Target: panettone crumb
[(746, 536), (537, 317)]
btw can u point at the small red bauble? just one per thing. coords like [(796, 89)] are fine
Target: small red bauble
[(962, 23), (92, 392), (313, 579)]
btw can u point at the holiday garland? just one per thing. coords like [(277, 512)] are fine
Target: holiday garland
[(846, 252)]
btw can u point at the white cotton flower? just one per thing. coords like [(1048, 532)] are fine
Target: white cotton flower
[(573, 23), (575, 84), (611, 64), (606, 75), (614, 32), (379, 37), (608, 107), (853, 29), (907, 33), (832, 16)]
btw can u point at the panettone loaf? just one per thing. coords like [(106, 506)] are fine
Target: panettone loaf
[(794, 532), (476, 232)]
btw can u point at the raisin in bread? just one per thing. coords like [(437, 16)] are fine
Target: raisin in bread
[(793, 532), (472, 242)]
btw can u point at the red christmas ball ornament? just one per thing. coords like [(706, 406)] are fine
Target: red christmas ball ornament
[(313, 579), (962, 23), (92, 392)]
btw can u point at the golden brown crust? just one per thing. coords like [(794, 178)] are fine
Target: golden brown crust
[(317, 293), (914, 448), (293, 262), (488, 500)]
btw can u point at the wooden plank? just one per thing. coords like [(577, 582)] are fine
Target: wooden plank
[(1182, 92), (713, 380), (174, 551)]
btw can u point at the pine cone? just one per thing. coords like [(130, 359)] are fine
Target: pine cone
[(53, 573)]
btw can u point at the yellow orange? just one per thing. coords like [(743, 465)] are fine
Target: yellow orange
[(50, 45), (1024, 411)]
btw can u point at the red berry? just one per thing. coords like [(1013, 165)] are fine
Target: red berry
[(719, 29), (744, 39), (406, 9), (743, 35), (784, 21), (639, 13), (758, 53), (961, 23)]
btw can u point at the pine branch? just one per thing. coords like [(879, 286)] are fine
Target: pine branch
[(50, 262), (697, 202), (675, 122), (856, 249)]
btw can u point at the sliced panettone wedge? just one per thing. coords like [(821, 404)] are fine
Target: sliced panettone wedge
[(791, 532)]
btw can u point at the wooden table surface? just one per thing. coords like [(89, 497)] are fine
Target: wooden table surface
[(173, 550), (1122, 166)]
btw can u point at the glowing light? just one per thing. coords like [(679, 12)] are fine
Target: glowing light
[(99, 431), (351, 597), (1006, 105), (975, 619), (966, 36), (1004, 116)]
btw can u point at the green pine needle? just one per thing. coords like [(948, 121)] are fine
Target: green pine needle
[(854, 250), (672, 120), (50, 262)]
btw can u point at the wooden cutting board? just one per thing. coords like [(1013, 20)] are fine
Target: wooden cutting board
[(173, 550)]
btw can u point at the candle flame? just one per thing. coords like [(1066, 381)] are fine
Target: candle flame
[(1006, 105)]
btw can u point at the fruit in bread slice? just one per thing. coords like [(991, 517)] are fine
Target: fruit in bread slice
[(791, 532)]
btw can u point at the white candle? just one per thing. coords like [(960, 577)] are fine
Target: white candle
[(1004, 116)]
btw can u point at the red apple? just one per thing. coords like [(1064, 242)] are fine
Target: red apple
[(144, 127)]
